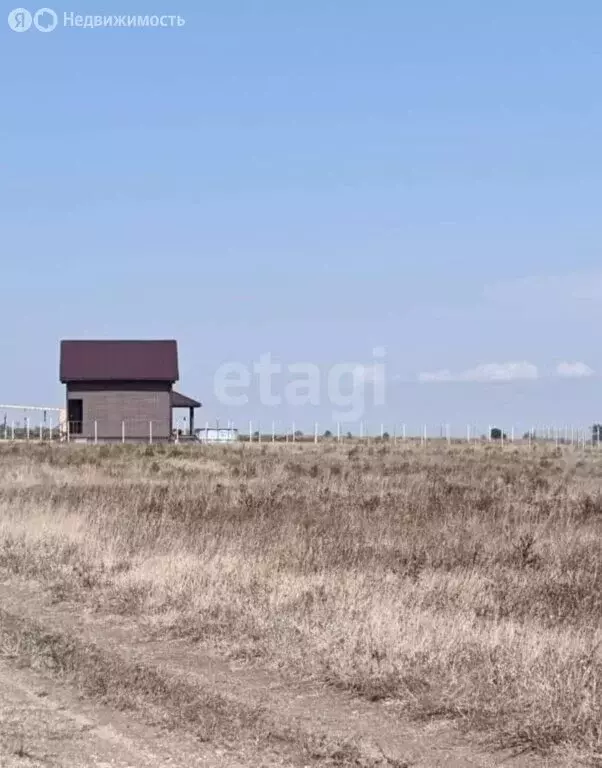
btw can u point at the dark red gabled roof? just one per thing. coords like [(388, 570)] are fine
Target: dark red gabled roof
[(119, 361)]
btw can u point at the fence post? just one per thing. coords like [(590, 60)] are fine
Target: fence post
[(250, 431), (273, 432), (27, 427), (294, 431), (123, 431), (68, 431), (316, 432), (150, 432), (41, 433), (338, 431), (95, 433)]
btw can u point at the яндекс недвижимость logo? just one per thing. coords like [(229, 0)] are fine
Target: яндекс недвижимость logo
[(21, 20), (46, 20)]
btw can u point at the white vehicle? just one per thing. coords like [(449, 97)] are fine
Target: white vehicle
[(216, 435)]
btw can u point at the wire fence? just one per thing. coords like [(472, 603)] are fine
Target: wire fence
[(114, 430), (576, 436)]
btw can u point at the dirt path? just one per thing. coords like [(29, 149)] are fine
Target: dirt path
[(229, 715), (45, 724)]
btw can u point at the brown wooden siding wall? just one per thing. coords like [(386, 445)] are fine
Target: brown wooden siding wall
[(136, 403)]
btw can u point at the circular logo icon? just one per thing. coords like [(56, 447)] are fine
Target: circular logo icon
[(19, 20), (45, 20)]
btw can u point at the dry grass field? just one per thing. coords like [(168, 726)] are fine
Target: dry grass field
[(459, 583)]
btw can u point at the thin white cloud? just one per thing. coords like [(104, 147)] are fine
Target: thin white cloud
[(486, 372), (574, 370), (550, 289), (443, 375)]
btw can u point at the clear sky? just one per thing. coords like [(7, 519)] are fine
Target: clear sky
[(314, 179)]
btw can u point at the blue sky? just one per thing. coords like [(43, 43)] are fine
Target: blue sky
[(314, 180)]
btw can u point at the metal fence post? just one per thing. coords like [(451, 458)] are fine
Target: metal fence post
[(150, 432), (95, 433), (123, 431)]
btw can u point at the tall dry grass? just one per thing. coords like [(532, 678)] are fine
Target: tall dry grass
[(460, 582)]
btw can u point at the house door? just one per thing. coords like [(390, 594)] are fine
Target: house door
[(75, 416)]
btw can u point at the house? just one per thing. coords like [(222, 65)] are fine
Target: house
[(122, 391)]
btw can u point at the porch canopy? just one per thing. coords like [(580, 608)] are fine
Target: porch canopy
[(181, 401)]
